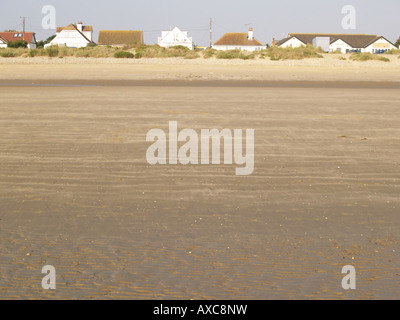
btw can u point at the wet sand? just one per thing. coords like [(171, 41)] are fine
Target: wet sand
[(77, 192)]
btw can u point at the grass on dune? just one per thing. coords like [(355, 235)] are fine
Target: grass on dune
[(367, 57), (54, 51), (155, 51), (303, 52)]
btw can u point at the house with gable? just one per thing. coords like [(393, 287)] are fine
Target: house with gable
[(73, 36), (29, 37), (175, 37), (343, 43), (239, 41)]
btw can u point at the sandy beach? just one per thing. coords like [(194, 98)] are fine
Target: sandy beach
[(329, 68), (77, 192)]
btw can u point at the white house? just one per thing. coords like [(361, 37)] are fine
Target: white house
[(290, 42), (339, 45), (379, 45), (6, 37), (73, 36), (239, 41), (340, 42), (175, 37)]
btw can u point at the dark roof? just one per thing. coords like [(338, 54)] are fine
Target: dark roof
[(237, 39), (113, 37), (280, 42), (378, 39), (354, 40), (10, 36)]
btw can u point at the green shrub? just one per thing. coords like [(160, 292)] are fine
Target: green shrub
[(33, 53), (123, 54), (208, 53), (52, 51), (228, 54), (17, 44), (235, 54), (289, 53), (7, 54), (246, 56), (155, 51)]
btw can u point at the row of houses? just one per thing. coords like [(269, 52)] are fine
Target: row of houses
[(343, 43), (79, 35)]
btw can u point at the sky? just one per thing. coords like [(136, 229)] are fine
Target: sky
[(270, 19)]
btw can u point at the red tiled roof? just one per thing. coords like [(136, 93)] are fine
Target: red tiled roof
[(237, 39), (9, 36), (84, 28)]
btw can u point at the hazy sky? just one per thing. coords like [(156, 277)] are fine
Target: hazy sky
[(268, 18)]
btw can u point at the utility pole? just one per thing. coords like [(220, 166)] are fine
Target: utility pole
[(210, 32), (23, 28)]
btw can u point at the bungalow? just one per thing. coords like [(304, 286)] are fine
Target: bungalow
[(380, 45), (120, 38), (340, 42), (73, 36), (175, 37), (6, 37), (239, 41)]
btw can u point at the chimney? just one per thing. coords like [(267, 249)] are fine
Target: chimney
[(79, 26), (251, 34)]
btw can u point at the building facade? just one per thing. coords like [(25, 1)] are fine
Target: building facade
[(343, 43), (175, 37), (239, 41), (73, 36)]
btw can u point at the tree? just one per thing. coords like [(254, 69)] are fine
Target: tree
[(397, 44), (41, 43)]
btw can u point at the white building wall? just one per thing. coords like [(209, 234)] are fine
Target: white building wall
[(88, 34), (293, 42), (340, 45), (69, 38), (380, 44), (175, 37), (242, 48)]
